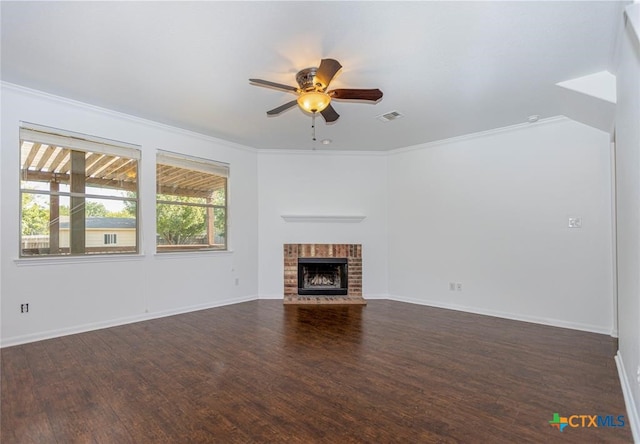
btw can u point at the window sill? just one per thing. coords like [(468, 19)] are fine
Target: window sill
[(65, 260)]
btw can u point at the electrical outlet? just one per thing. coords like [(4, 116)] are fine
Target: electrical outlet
[(458, 286), (452, 286), (24, 308), (575, 222)]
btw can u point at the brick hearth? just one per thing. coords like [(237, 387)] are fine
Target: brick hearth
[(353, 254)]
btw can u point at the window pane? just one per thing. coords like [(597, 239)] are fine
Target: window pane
[(35, 224), (181, 224), (45, 232), (43, 164), (190, 207), (220, 224), (178, 181), (115, 219), (220, 196)]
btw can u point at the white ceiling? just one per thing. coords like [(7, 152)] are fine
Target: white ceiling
[(452, 68)]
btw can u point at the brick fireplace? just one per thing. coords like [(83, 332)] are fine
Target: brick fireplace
[(304, 253)]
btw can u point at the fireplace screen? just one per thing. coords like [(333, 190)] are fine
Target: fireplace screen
[(322, 276)]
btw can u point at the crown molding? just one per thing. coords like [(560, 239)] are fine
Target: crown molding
[(480, 134), (280, 152), (123, 116)]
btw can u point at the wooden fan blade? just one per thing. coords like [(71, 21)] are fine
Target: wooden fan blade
[(260, 82), (327, 69), (329, 114), (356, 94), (281, 108)]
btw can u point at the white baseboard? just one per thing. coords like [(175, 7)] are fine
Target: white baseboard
[(376, 296), (17, 340), (498, 314), (504, 315), (271, 296), (633, 415)]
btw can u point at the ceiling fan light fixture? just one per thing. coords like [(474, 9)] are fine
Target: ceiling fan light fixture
[(314, 101), (313, 97)]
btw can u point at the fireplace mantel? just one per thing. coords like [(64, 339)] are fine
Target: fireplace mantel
[(322, 218)]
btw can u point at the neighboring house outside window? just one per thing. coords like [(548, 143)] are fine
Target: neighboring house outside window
[(191, 203), (74, 189)]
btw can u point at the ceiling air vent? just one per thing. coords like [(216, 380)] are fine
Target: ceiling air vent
[(388, 117)]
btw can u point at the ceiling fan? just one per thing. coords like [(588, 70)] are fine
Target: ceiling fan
[(313, 96)]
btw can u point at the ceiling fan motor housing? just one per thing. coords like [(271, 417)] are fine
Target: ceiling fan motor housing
[(306, 80)]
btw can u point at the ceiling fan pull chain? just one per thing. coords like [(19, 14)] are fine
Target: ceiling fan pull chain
[(313, 126)]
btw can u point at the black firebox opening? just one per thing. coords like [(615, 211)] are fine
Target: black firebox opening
[(320, 276)]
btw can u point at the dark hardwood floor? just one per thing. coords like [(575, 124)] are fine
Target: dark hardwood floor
[(261, 372)]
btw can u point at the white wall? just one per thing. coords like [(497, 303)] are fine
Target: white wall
[(68, 295), (491, 212), (628, 217), (320, 183)]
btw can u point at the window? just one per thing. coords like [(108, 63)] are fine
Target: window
[(110, 239), (191, 203), (75, 191)]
